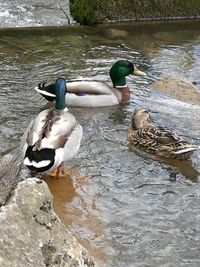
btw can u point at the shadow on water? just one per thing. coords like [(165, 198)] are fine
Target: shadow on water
[(175, 167), (185, 167)]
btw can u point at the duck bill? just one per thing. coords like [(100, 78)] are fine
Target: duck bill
[(138, 72)]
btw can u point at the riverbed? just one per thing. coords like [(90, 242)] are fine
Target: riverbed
[(126, 208)]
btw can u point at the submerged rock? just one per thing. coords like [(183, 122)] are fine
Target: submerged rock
[(31, 234), (179, 88)]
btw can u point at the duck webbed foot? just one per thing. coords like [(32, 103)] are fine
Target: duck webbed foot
[(58, 172)]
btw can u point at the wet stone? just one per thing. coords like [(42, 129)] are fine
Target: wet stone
[(179, 88), (32, 234)]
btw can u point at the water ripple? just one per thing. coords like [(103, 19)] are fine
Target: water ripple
[(127, 208)]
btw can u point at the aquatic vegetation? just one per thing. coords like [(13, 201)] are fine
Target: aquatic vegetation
[(90, 11)]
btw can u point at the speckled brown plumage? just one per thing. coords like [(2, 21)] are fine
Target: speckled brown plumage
[(155, 139)]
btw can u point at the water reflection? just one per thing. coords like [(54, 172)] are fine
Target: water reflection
[(128, 209), (74, 210), (185, 167), (175, 167)]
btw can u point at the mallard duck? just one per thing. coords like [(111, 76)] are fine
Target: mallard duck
[(52, 137), (91, 93), (156, 140)]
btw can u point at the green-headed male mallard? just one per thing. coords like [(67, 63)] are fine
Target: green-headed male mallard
[(52, 137), (92, 93), (156, 140)]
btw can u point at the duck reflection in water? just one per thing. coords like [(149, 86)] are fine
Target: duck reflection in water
[(75, 208), (185, 167)]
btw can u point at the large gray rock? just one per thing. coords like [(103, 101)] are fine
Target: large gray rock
[(29, 13), (32, 235), (179, 88)]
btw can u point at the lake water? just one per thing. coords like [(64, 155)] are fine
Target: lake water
[(125, 207)]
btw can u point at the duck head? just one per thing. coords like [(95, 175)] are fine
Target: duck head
[(120, 70), (60, 91), (140, 119)]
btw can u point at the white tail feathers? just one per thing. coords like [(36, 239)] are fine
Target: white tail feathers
[(185, 150), (35, 164), (43, 92)]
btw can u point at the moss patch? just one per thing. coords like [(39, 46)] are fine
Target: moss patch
[(90, 11)]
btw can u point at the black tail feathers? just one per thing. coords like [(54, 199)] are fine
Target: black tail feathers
[(44, 90), (39, 160)]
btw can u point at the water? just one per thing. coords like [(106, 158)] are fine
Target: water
[(35, 13), (126, 208)]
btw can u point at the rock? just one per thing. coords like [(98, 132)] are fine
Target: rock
[(179, 88), (31, 234)]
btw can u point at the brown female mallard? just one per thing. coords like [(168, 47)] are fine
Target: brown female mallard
[(155, 139)]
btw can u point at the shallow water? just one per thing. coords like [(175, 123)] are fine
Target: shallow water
[(125, 207)]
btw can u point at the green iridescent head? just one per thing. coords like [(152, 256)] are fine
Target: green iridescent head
[(120, 70), (60, 89)]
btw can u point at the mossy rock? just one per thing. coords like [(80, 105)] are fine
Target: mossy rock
[(90, 11)]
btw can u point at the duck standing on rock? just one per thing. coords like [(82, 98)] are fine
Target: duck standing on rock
[(53, 137), (92, 93), (155, 139)]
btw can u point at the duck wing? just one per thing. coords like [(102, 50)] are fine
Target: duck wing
[(152, 138), (164, 136), (78, 87), (37, 127), (58, 130), (90, 87), (159, 135), (170, 144), (50, 129)]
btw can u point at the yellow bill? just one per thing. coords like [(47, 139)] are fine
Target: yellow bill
[(138, 72)]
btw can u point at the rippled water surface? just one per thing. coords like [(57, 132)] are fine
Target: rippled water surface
[(126, 208)]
